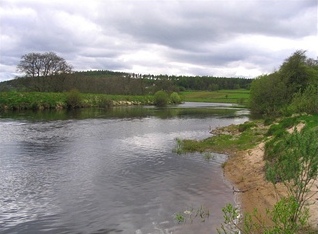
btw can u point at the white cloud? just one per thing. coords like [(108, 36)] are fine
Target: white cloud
[(221, 38)]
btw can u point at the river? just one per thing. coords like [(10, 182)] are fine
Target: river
[(114, 171)]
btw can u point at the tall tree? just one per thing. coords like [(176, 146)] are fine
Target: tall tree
[(46, 64), (294, 71)]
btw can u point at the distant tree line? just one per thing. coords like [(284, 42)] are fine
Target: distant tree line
[(291, 89), (48, 72)]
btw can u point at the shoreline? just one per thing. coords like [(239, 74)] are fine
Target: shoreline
[(245, 171)]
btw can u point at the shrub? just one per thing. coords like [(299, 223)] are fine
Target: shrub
[(305, 102), (175, 98), (104, 102), (161, 98), (73, 99)]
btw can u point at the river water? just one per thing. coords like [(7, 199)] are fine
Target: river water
[(95, 171)]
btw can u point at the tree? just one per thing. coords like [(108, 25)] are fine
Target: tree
[(46, 64), (268, 95), (291, 88)]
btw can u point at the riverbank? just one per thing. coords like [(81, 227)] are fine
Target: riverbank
[(248, 146), (67, 100), (14, 100), (245, 170)]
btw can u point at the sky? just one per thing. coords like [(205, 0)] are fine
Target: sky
[(237, 38)]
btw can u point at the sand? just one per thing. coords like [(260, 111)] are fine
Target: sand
[(246, 172)]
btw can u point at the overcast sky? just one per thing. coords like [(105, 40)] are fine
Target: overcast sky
[(244, 38)]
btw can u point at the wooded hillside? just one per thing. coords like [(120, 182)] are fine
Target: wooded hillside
[(111, 82)]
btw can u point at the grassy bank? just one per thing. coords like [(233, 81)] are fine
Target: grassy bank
[(226, 140), (72, 99), (274, 166), (239, 96)]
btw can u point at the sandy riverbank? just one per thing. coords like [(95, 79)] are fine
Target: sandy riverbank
[(246, 171)]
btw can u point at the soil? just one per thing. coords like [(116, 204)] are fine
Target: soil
[(246, 171)]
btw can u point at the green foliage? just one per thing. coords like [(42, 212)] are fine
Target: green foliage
[(268, 121), (268, 95), (31, 101), (161, 98), (279, 129), (227, 140), (73, 99), (118, 83), (306, 101), (179, 218), (292, 89), (175, 98), (44, 100), (296, 166), (251, 223), (247, 125), (104, 102), (179, 149), (283, 216), (294, 72)]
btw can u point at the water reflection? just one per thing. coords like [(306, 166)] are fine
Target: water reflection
[(199, 110), (96, 171)]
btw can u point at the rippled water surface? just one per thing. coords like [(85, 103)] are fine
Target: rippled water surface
[(94, 171)]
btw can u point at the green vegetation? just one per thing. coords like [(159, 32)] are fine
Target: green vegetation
[(227, 139), (175, 98), (291, 159), (161, 98), (72, 99), (200, 213), (40, 77), (239, 96), (292, 89), (295, 165), (253, 223)]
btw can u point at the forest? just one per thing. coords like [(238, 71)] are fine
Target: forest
[(120, 83)]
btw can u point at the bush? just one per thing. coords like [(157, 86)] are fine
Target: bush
[(73, 99), (305, 102), (104, 102), (161, 98), (175, 98)]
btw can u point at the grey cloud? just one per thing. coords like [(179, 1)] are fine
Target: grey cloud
[(198, 34)]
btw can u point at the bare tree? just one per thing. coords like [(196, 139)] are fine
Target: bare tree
[(46, 64)]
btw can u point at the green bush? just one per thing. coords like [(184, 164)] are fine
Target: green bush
[(175, 98), (305, 102), (161, 98), (104, 102), (73, 99)]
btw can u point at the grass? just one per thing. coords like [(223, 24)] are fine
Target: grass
[(244, 136), (46, 100), (228, 139), (239, 96)]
